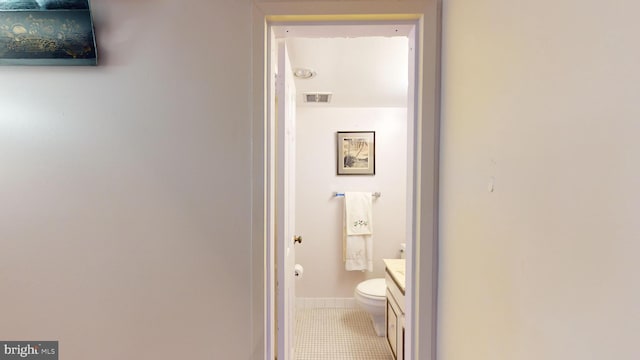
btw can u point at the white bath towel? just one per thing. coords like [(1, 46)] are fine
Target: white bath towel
[(358, 231)]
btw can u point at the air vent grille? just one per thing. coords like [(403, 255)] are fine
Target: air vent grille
[(317, 97)]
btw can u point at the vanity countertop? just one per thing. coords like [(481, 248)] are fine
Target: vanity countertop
[(396, 268)]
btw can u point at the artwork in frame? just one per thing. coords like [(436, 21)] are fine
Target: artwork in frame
[(356, 153), (46, 32)]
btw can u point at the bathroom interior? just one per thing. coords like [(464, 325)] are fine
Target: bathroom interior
[(367, 78)]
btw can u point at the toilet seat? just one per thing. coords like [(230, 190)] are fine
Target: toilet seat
[(372, 289)]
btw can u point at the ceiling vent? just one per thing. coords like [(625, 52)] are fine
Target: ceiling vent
[(317, 97)]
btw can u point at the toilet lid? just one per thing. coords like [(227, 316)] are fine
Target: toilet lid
[(373, 287)]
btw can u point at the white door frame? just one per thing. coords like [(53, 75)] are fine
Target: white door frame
[(421, 288)]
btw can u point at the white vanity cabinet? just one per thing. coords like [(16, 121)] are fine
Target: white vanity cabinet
[(394, 314)]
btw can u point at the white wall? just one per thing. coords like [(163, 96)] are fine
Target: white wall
[(125, 188), (543, 97), (319, 214), (122, 186)]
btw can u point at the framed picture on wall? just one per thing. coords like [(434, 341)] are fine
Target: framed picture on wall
[(356, 153), (46, 32)]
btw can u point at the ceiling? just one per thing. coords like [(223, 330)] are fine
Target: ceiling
[(362, 66)]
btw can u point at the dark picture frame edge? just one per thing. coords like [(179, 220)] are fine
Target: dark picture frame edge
[(355, 153), (47, 33)]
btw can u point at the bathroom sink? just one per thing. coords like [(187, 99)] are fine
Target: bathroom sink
[(396, 268)]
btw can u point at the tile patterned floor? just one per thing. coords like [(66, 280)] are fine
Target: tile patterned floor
[(338, 334)]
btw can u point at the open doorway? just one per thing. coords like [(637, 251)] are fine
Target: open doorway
[(363, 72), (422, 276), (371, 82)]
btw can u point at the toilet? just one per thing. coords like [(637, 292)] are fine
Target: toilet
[(370, 295)]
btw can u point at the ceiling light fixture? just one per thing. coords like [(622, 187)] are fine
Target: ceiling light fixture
[(302, 73)]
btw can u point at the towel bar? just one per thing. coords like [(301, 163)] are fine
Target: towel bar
[(375, 194)]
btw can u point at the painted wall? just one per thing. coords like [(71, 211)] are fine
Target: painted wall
[(543, 98), (122, 186), (125, 189), (319, 213)]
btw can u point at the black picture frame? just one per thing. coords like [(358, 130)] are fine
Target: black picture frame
[(356, 152), (47, 32)]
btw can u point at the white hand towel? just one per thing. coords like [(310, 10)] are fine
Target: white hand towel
[(359, 213), (359, 251), (358, 232)]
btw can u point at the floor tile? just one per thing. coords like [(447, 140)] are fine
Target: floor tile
[(338, 334)]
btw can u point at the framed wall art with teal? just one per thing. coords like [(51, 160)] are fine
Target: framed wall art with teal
[(46, 32)]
